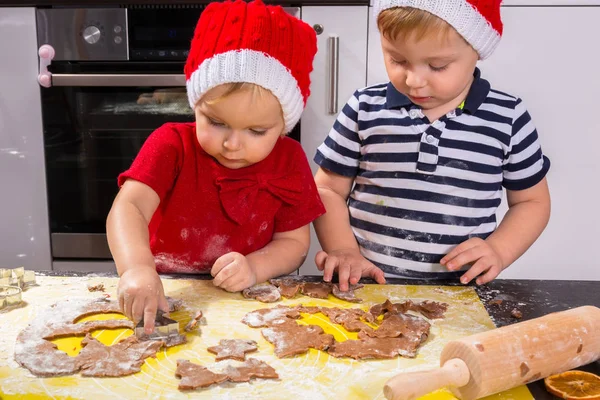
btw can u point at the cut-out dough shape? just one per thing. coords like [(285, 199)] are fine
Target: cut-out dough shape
[(235, 349)]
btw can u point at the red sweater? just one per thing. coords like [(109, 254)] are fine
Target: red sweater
[(207, 210)]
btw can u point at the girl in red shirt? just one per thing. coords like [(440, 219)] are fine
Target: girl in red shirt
[(230, 194)]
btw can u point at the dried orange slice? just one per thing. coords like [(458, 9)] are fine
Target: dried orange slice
[(574, 385)]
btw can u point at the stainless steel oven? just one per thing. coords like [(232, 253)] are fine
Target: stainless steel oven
[(116, 75)]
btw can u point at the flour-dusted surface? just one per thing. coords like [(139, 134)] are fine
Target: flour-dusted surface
[(314, 375)]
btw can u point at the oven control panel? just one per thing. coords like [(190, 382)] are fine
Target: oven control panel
[(97, 34)]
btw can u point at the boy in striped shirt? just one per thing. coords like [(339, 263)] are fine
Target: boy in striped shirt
[(413, 170)]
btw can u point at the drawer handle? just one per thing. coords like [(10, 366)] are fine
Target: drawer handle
[(99, 80)]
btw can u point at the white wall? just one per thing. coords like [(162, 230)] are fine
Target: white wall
[(549, 57)]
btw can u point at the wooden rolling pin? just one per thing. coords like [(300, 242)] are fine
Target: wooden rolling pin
[(500, 359)]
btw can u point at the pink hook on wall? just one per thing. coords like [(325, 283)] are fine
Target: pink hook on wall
[(46, 53)]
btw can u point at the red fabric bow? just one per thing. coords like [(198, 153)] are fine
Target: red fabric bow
[(238, 195)]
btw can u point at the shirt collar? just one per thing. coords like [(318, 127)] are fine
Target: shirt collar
[(476, 96)]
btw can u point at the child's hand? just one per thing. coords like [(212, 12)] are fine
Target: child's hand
[(350, 266), (140, 293), (483, 256), (233, 273)]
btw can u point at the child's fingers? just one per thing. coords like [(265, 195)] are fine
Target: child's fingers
[(331, 264), (235, 284), (343, 275), (222, 262), (457, 250), (149, 315), (163, 304), (231, 278), (355, 275), (122, 304), (320, 260), (477, 268), (378, 275), (489, 276), (137, 309), (127, 303), (467, 256), (224, 274)]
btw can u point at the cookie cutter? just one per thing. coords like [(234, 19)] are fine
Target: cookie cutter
[(163, 328), (18, 277), (9, 296)]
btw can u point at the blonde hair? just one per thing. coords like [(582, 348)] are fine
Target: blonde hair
[(256, 91), (234, 87), (401, 22)]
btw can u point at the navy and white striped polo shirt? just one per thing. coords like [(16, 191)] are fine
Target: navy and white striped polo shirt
[(422, 188)]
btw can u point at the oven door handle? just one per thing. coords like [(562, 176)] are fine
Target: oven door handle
[(116, 80)]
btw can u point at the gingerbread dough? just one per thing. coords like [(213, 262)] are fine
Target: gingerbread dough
[(350, 319), (429, 309), (96, 288), (348, 295), (397, 334), (194, 375), (263, 293), (193, 324), (288, 286), (319, 290), (291, 339), (414, 328), (34, 351), (373, 348), (252, 368), (270, 316), (122, 359), (233, 348)]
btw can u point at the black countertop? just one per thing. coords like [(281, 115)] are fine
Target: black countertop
[(532, 298), (113, 3)]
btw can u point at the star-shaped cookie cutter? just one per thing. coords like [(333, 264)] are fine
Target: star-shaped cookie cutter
[(163, 328)]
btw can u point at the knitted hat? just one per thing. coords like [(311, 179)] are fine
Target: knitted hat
[(236, 41), (477, 21)]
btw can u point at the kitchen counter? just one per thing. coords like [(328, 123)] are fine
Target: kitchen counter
[(533, 298)]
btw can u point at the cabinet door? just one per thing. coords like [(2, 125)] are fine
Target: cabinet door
[(375, 66), (547, 58), (24, 240), (349, 25)]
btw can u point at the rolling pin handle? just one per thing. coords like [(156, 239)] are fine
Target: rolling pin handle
[(413, 385)]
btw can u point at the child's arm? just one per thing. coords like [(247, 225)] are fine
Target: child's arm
[(335, 235), (285, 253), (140, 290), (528, 215)]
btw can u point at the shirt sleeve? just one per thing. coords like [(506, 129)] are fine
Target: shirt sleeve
[(524, 164), (158, 161), (340, 152), (290, 217)]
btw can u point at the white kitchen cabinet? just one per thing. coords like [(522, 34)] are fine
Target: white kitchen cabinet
[(349, 25), (549, 58), (25, 239)]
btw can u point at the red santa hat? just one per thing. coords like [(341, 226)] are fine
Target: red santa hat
[(477, 21), (236, 41)]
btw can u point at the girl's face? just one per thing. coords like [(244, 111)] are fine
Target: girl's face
[(240, 129)]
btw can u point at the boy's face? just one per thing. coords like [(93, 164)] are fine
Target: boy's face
[(240, 129), (435, 72)]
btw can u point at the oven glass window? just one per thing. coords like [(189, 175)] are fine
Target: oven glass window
[(91, 134)]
